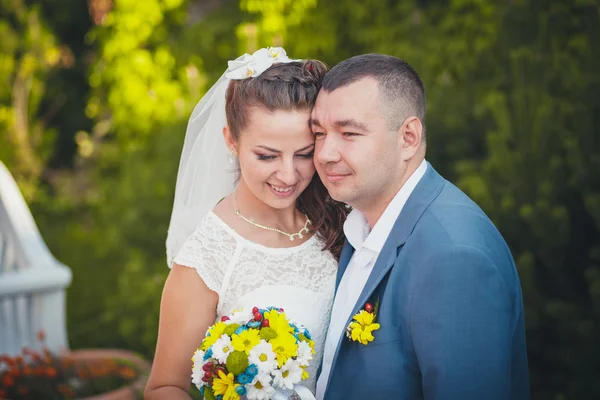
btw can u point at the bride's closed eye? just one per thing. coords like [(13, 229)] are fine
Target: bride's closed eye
[(307, 156), (264, 157)]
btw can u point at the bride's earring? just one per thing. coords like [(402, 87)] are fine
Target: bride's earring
[(232, 157)]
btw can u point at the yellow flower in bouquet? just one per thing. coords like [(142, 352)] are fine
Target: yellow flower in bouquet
[(246, 340), (278, 322), (226, 386), (304, 374), (213, 334), (284, 347)]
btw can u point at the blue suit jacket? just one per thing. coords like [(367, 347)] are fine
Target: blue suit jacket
[(450, 308)]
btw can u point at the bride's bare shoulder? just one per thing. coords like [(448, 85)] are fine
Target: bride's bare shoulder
[(224, 209)]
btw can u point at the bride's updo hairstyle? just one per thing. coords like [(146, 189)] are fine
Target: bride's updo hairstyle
[(291, 86)]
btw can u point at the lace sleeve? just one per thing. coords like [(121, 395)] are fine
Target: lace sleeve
[(209, 251)]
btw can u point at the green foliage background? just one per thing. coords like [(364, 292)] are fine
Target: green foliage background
[(94, 99)]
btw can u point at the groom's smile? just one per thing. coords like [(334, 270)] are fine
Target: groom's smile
[(335, 177)]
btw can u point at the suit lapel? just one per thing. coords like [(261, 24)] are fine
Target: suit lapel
[(428, 188), (345, 257)]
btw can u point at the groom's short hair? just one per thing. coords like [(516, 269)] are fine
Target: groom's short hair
[(402, 91)]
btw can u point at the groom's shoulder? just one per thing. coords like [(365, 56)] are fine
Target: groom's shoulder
[(453, 218), (454, 226)]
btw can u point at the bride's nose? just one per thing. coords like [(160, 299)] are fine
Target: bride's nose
[(287, 172)]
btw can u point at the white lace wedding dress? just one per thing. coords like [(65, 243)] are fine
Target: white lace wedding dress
[(299, 279)]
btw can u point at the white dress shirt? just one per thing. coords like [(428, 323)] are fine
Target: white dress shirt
[(367, 244)]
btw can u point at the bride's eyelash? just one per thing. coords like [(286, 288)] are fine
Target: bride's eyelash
[(307, 156)]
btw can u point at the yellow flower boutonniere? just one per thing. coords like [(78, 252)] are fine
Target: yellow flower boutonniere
[(363, 324)]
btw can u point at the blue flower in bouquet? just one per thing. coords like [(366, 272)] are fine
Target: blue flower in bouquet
[(252, 371), (241, 390), (208, 354), (241, 329), (244, 379), (253, 324), (306, 333)]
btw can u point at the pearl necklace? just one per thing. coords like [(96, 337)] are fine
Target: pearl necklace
[(290, 235)]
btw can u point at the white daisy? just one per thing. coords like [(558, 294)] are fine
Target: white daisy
[(289, 374), (222, 348), (263, 357), (241, 317), (305, 355), (260, 388), (198, 358), (197, 371)]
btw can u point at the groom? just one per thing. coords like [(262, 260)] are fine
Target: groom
[(419, 254)]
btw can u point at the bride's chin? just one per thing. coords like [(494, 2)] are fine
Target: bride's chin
[(278, 203)]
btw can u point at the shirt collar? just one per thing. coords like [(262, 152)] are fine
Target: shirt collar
[(356, 227)]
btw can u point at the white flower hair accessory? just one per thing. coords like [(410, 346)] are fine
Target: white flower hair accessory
[(252, 65)]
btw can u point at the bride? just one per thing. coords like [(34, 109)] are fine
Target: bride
[(252, 224)]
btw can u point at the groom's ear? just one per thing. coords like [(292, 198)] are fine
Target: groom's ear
[(411, 137), (229, 139)]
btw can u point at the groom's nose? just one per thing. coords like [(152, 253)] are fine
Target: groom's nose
[(326, 150)]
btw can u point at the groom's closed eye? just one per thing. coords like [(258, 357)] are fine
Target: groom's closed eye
[(345, 134), (314, 124)]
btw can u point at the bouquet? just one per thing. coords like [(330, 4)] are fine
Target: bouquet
[(258, 354)]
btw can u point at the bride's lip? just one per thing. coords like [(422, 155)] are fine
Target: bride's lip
[(282, 195)]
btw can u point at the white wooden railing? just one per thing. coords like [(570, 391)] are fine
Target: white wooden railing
[(32, 281)]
